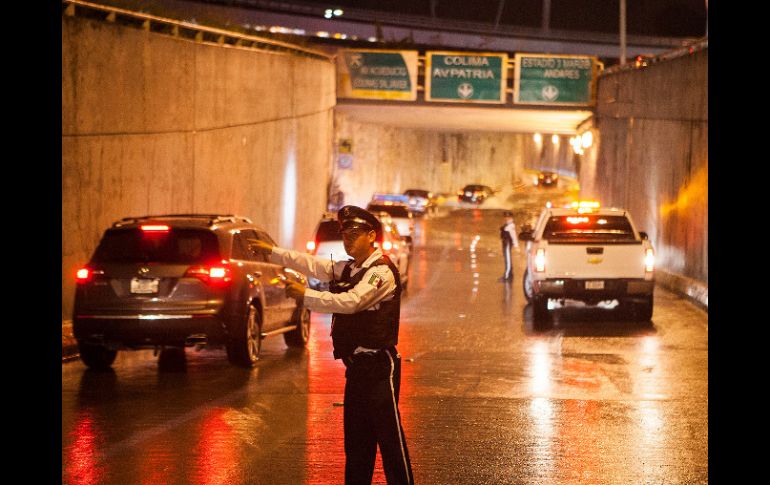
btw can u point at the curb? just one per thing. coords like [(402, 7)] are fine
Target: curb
[(694, 290)]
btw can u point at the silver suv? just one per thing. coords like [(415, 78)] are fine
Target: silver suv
[(181, 280)]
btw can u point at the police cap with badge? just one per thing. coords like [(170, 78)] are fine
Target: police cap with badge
[(352, 217)]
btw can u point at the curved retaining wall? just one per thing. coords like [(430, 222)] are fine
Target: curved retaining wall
[(652, 158), (156, 124)]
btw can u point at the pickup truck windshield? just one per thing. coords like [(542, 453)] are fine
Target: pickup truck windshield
[(588, 228)]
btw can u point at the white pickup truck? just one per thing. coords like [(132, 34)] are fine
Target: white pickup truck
[(590, 254)]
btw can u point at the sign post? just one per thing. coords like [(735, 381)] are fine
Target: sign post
[(465, 77), (553, 80)]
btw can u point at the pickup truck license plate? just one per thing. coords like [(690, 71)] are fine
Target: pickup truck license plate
[(595, 285), (144, 285)]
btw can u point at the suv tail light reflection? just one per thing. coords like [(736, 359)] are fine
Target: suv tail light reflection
[(215, 274)]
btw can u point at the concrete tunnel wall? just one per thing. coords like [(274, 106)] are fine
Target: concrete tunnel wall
[(651, 157), (155, 124), (392, 159)]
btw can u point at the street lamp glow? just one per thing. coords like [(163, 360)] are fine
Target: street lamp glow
[(338, 12), (328, 13)]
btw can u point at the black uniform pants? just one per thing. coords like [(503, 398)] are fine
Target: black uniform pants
[(508, 275), (371, 418)]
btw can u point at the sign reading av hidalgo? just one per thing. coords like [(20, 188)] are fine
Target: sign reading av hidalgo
[(377, 74), (465, 77), (553, 80)]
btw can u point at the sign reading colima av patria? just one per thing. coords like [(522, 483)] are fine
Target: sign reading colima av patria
[(465, 77), (377, 74), (553, 80)]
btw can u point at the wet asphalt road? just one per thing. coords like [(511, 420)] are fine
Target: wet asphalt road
[(485, 399)]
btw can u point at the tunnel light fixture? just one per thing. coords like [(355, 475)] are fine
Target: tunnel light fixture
[(587, 139), (555, 139), (538, 138)]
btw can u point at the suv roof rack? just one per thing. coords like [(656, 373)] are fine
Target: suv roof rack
[(212, 218)]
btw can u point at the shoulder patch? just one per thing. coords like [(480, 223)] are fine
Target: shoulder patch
[(376, 280)]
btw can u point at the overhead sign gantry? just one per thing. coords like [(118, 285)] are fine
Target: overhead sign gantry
[(467, 77)]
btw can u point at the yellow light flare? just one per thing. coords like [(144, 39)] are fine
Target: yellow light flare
[(690, 195)]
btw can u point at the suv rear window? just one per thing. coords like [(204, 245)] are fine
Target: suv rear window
[(393, 210), (180, 246), (584, 227), (328, 231)]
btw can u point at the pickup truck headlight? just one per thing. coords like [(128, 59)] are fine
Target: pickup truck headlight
[(649, 260), (540, 260)]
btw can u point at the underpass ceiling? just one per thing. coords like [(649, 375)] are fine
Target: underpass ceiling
[(466, 118)]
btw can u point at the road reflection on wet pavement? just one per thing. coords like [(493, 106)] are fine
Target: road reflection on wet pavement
[(485, 399)]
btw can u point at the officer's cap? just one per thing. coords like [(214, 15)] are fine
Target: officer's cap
[(351, 217)]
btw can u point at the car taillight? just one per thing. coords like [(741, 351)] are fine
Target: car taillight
[(154, 227), (310, 246), (84, 275), (215, 274), (540, 260), (649, 260)]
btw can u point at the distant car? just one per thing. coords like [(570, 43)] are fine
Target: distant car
[(421, 201), (394, 246), (327, 243), (475, 193), (180, 280), (546, 179), (400, 214)]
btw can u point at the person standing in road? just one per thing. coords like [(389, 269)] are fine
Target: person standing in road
[(365, 299), (509, 239)]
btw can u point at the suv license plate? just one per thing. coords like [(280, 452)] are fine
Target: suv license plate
[(595, 285), (144, 285)]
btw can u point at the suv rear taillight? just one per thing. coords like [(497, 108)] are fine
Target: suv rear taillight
[(215, 274), (540, 260), (83, 275)]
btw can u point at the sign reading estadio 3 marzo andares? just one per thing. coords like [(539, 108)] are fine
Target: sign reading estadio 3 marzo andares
[(553, 80), (465, 77)]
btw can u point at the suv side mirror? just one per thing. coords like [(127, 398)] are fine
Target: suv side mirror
[(643, 235), (525, 236)]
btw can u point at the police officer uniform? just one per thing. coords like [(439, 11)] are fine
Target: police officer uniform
[(365, 302), (509, 239)]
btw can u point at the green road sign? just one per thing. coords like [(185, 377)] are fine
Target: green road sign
[(553, 80), (464, 77), (377, 74)]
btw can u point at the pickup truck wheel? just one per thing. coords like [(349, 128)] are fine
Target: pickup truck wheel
[(245, 342), (526, 283), (540, 315), (643, 309), (96, 356), (301, 333)]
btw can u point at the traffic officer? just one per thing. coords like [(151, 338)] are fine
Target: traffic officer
[(509, 239), (365, 299)]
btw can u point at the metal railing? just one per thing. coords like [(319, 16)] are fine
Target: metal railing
[(697, 46), (189, 30)]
